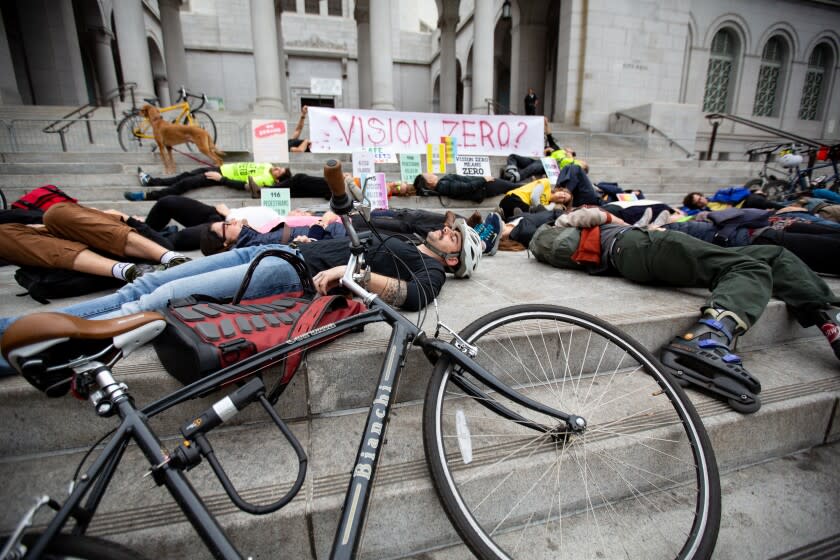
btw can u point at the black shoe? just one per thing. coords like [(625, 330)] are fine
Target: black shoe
[(176, 261), (137, 270), (829, 324)]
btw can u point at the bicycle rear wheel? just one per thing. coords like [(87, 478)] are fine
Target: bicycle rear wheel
[(776, 191), (129, 131), (83, 548), (641, 481), (206, 122)]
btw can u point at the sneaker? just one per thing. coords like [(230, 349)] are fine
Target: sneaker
[(829, 324), (645, 219), (176, 261), (145, 178), (134, 196), (252, 187), (512, 174), (135, 271), (660, 220), (494, 222)]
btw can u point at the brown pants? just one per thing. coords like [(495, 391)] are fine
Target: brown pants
[(68, 230)]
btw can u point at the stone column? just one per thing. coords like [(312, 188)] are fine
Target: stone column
[(467, 95), (447, 24), (382, 62), (281, 59), (482, 70), (134, 51), (173, 46), (104, 59), (362, 16), (266, 59), (9, 92)]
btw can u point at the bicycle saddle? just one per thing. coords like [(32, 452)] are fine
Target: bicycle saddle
[(45, 347)]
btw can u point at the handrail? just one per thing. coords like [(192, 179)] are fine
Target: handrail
[(716, 119), (85, 111), (492, 103), (649, 127)]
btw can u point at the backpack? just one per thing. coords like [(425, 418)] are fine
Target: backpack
[(43, 284), (556, 245), (732, 195), (42, 198)]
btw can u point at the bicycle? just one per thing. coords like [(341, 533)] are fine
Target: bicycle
[(133, 129), (798, 178), (542, 426)]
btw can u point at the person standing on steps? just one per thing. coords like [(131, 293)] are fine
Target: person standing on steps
[(531, 102)]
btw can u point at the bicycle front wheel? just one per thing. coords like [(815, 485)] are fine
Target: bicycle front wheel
[(130, 133), (206, 122), (776, 191), (639, 482)]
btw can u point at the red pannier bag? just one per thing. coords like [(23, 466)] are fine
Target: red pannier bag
[(204, 335), (42, 198)]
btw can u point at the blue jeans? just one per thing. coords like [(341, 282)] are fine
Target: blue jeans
[(218, 276)]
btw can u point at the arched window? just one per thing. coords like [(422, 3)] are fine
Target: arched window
[(769, 78), (719, 76), (814, 89)]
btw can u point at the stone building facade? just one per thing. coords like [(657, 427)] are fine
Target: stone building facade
[(664, 62)]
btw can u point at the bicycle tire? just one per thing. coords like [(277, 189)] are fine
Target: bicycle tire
[(752, 183), (83, 547), (205, 121), (504, 505), (129, 141), (777, 190)]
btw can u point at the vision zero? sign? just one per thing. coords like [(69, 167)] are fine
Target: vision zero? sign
[(473, 165)]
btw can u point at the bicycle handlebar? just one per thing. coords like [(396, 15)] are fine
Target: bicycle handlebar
[(340, 202)]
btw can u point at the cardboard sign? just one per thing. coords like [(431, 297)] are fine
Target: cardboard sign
[(363, 164), (435, 158), (376, 190), (270, 140), (473, 165), (351, 130), (410, 167), (552, 170), (383, 155), (279, 200)]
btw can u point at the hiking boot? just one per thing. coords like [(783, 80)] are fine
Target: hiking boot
[(135, 271), (252, 187), (145, 178), (176, 261), (134, 196)]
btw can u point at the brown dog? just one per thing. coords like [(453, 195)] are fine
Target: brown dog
[(169, 134)]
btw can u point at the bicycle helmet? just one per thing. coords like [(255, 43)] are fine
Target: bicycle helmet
[(470, 250), (790, 160)]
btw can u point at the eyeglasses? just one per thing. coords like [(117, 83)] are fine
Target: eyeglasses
[(224, 227)]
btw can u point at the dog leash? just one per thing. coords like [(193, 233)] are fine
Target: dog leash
[(192, 157)]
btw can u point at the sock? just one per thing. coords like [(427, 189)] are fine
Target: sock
[(118, 270), (168, 256)]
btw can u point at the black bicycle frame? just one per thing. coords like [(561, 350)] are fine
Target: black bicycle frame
[(348, 535)]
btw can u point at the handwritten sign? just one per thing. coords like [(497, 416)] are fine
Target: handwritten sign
[(451, 147), (552, 170), (410, 167), (473, 165), (269, 139), (279, 200), (349, 130), (376, 190), (436, 158), (363, 164), (383, 155)]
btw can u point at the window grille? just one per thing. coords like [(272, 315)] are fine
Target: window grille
[(334, 7), (813, 89), (719, 73), (768, 79), (312, 7)]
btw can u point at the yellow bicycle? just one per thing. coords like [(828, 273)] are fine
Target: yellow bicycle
[(134, 129)]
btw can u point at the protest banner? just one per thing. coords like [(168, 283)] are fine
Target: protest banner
[(269, 139), (473, 165), (350, 130)]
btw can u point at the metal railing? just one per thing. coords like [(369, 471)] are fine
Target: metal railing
[(717, 118), (650, 128), (496, 108)]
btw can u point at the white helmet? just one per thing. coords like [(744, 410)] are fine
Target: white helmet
[(470, 250), (790, 160)]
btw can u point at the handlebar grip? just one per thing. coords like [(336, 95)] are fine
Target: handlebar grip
[(335, 178)]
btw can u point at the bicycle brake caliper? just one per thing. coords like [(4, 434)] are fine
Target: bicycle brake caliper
[(459, 343)]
